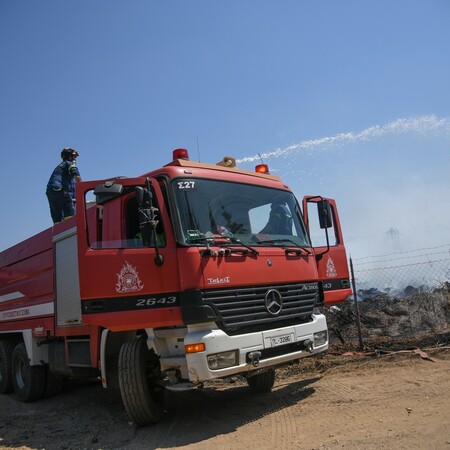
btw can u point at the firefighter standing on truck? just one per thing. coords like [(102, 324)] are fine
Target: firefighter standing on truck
[(61, 186)]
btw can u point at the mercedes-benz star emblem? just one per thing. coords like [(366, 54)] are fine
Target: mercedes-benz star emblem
[(273, 302)]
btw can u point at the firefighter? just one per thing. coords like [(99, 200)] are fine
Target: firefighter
[(61, 186), (280, 220)]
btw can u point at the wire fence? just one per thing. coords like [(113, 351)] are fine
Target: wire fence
[(398, 295)]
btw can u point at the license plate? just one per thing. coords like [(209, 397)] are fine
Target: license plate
[(281, 340)]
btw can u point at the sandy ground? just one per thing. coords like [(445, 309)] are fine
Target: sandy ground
[(397, 401)]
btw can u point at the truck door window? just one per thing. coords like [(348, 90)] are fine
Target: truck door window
[(116, 224)]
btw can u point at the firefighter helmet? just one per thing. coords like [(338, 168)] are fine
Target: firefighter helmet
[(68, 152)]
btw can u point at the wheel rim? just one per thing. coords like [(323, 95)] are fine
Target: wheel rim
[(19, 374)]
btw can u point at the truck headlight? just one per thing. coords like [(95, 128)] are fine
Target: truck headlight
[(320, 338), (222, 360)]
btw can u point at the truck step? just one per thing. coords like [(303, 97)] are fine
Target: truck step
[(183, 387)]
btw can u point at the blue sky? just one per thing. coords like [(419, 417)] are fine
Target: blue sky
[(347, 99)]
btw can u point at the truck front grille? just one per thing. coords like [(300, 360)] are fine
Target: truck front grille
[(244, 309)]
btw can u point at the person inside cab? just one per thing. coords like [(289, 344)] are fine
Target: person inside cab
[(280, 220)]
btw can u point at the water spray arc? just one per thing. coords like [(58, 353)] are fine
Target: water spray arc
[(419, 125)]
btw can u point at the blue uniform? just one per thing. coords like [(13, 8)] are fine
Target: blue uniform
[(280, 221), (61, 191)]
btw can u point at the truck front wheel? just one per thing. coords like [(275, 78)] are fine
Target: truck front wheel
[(6, 351), (262, 382), (140, 380), (28, 381)]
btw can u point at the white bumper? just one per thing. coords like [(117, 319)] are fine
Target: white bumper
[(216, 341)]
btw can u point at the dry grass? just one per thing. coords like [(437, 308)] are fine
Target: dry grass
[(345, 357)]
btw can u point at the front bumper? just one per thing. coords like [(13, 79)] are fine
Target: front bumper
[(272, 347)]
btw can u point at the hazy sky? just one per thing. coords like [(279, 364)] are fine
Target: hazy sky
[(347, 99)]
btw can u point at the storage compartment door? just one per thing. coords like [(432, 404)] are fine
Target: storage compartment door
[(68, 304)]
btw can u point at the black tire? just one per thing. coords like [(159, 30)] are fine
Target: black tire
[(53, 383), (140, 381), (262, 382), (28, 381), (6, 351)]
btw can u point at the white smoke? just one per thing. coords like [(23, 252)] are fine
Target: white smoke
[(385, 177)]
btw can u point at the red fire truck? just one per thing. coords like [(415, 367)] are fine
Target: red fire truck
[(188, 273)]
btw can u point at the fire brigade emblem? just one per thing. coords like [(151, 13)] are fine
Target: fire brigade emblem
[(331, 270), (128, 279)]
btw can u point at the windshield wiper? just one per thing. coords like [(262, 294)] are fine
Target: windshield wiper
[(298, 250), (239, 242), (227, 234), (210, 239)]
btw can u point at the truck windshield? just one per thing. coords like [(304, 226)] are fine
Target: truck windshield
[(226, 212)]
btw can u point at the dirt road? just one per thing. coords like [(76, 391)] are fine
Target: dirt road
[(389, 402)]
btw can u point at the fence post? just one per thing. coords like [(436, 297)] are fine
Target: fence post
[(355, 298)]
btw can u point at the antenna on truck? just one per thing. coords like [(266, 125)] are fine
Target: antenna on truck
[(198, 150)]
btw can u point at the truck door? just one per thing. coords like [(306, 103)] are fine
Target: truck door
[(322, 221), (127, 255)]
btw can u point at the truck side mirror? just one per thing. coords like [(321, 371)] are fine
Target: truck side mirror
[(146, 219), (139, 194), (324, 210), (143, 196), (107, 191)]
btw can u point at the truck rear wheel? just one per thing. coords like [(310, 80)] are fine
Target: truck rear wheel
[(6, 351), (140, 381), (262, 382), (28, 381)]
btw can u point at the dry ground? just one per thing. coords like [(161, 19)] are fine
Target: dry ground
[(377, 401)]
